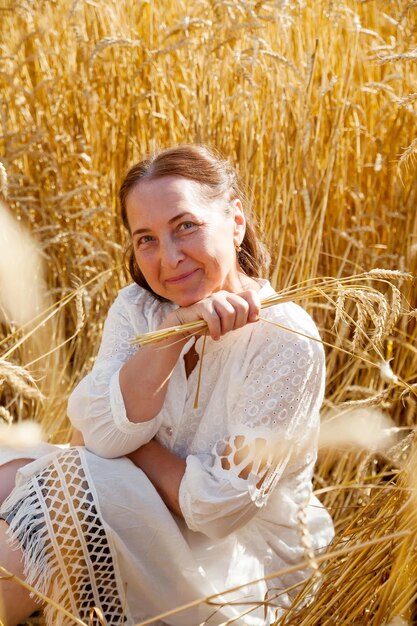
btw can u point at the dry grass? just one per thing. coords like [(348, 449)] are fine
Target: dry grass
[(315, 102)]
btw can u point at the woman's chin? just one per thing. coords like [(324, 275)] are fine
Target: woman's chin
[(188, 298), (186, 295)]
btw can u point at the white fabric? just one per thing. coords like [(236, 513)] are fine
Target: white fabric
[(258, 416)]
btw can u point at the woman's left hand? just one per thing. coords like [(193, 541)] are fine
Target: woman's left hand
[(223, 311)]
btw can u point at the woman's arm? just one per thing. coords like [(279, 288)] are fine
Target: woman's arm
[(118, 407), (271, 432), (96, 406), (144, 377), (164, 469), (77, 438)]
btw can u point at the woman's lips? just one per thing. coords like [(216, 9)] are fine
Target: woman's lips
[(176, 280)]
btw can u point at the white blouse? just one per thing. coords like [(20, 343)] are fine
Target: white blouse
[(250, 448), (261, 391)]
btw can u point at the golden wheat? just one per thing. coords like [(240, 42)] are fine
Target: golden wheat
[(315, 103)]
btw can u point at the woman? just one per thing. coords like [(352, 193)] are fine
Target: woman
[(195, 499)]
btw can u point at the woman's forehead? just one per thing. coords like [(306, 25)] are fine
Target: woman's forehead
[(169, 189), (159, 200)]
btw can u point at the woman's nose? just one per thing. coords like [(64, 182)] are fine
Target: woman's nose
[(171, 254)]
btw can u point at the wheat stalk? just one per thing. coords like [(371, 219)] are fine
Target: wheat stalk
[(5, 415), (306, 541), (350, 286), (20, 379), (333, 554)]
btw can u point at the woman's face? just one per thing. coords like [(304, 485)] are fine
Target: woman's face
[(184, 244)]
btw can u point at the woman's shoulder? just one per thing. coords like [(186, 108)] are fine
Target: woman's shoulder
[(140, 305), (284, 329), (287, 314), (133, 294)]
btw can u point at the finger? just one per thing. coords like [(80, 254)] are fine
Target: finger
[(252, 298), (226, 312), (241, 308), (208, 313)]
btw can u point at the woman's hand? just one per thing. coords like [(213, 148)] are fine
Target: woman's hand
[(77, 438), (223, 311)]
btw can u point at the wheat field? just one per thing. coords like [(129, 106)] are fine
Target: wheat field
[(316, 104)]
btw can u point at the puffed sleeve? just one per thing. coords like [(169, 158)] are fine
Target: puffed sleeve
[(96, 405), (272, 430)]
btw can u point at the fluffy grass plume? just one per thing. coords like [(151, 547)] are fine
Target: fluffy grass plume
[(315, 102), (22, 288), (20, 436)]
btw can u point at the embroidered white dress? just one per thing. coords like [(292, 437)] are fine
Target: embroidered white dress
[(96, 533)]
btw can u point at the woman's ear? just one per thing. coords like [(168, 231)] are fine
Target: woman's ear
[(239, 222)]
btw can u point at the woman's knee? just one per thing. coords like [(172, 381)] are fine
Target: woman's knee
[(8, 473)]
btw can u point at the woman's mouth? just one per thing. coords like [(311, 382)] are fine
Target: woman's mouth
[(181, 278)]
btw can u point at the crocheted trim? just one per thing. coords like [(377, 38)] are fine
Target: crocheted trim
[(67, 553)]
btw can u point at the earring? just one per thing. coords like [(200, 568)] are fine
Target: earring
[(238, 248)]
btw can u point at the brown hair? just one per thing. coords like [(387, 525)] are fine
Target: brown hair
[(218, 179)]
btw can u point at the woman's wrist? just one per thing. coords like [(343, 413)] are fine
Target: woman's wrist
[(172, 320)]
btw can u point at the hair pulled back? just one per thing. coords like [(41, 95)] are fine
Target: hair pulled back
[(218, 179)]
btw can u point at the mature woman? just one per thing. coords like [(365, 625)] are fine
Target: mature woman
[(169, 502)]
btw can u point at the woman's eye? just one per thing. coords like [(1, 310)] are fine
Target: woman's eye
[(186, 225), (143, 239)]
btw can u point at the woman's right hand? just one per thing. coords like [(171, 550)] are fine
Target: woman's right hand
[(223, 311)]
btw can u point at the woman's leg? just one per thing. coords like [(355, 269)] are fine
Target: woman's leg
[(8, 475), (15, 602)]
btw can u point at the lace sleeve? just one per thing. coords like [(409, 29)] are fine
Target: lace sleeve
[(96, 405), (273, 428)]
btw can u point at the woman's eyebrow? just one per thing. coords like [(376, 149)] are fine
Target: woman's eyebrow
[(141, 231), (178, 217)]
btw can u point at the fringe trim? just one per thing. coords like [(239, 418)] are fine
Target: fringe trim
[(260, 495)]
